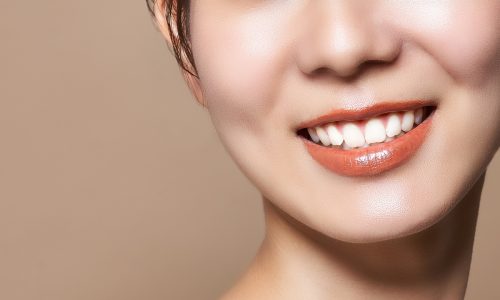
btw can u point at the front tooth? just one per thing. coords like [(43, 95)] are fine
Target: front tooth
[(336, 137), (393, 125), (346, 147), (323, 136), (419, 114), (313, 135), (374, 131), (353, 136), (408, 120)]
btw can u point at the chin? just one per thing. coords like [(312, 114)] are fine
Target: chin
[(371, 220), (372, 229)]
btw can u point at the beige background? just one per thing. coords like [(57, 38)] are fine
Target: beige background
[(113, 182)]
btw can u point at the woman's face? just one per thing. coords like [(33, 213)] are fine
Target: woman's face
[(267, 68)]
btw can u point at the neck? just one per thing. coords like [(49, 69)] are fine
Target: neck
[(295, 262)]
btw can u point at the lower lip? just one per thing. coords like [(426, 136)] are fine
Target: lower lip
[(374, 159)]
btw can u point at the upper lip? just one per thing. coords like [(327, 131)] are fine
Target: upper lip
[(367, 112)]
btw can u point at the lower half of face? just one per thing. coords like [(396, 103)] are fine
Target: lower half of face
[(252, 67)]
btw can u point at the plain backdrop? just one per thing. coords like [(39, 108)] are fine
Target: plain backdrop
[(113, 183)]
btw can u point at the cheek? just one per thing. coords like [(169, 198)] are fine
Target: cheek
[(463, 35), (238, 60)]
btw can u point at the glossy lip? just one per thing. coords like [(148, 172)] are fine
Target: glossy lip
[(366, 112), (374, 159)]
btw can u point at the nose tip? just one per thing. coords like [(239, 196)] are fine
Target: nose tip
[(342, 38)]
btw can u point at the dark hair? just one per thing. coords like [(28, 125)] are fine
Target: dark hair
[(177, 16)]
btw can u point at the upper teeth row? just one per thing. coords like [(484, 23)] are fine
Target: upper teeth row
[(353, 135)]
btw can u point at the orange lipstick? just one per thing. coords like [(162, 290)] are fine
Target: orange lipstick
[(376, 158)]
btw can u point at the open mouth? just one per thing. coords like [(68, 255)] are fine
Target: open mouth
[(368, 146), (363, 133)]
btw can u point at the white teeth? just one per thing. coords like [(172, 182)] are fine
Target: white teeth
[(407, 122), (374, 131), (419, 114), (323, 136), (353, 136), (313, 135), (336, 137), (346, 147), (393, 125)]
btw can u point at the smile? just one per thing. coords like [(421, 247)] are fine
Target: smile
[(368, 141)]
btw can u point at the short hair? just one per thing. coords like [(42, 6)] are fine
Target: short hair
[(177, 15)]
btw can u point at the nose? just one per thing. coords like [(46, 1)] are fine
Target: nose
[(340, 36)]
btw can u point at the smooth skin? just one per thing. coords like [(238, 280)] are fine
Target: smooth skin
[(266, 66)]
